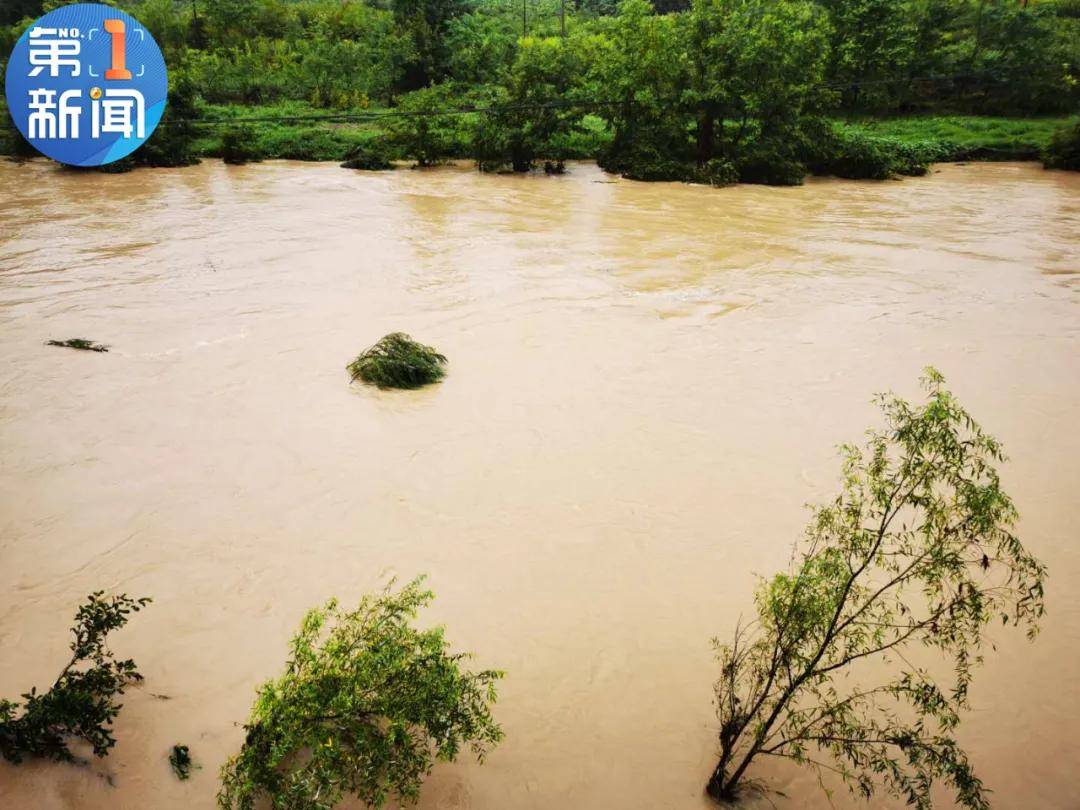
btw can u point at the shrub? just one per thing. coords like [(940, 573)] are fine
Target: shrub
[(1063, 151), (717, 172), (365, 707), (422, 128), (81, 703), (238, 146), (856, 155), (371, 155), (768, 168), (917, 551), (289, 142), (398, 361), (645, 162)]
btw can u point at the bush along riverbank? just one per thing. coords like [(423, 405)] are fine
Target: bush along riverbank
[(858, 148)]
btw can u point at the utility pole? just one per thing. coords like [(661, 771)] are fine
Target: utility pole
[(562, 18), (524, 19)]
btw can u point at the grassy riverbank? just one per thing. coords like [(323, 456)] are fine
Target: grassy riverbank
[(974, 137), (296, 130), (299, 131)]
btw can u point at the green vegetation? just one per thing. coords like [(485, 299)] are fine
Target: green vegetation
[(238, 146), (371, 156), (1063, 151), (79, 343), (367, 704), (398, 361), (853, 153), (81, 703), (180, 762), (917, 551), (971, 137), (701, 90)]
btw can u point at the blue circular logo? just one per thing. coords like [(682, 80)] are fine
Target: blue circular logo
[(86, 84)]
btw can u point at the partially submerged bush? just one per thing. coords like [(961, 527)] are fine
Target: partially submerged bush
[(398, 361), (365, 707), (422, 128), (648, 154), (768, 169), (772, 160), (239, 145), (79, 343), (1063, 151), (857, 155), (81, 704), (371, 155), (717, 172)]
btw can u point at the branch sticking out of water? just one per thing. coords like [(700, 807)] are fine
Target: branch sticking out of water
[(79, 343)]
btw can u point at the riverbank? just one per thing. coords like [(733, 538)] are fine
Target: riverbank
[(293, 131), (296, 130)]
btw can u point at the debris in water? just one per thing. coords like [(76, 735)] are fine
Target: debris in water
[(398, 361), (180, 760), (79, 343)]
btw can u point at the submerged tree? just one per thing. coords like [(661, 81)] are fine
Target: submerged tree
[(916, 551), (366, 705), (81, 704)]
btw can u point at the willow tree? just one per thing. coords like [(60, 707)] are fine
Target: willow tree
[(908, 566), (365, 707)]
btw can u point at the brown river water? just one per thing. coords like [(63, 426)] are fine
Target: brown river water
[(647, 382)]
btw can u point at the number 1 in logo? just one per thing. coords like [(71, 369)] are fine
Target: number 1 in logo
[(115, 28)]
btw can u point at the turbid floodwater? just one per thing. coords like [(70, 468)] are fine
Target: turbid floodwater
[(647, 382)]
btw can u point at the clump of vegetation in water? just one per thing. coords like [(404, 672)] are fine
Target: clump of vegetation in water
[(79, 343), (81, 703), (917, 551), (1063, 151), (367, 704), (239, 146), (180, 761), (398, 361)]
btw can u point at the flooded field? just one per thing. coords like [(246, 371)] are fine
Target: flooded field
[(646, 384)]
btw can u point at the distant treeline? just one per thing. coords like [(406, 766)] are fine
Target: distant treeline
[(714, 90)]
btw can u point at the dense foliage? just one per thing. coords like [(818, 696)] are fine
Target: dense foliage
[(81, 703), (917, 551), (1063, 152), (365, 707), (398, 361), (703, 90)]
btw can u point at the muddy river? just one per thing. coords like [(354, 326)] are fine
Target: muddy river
[(646, 384)]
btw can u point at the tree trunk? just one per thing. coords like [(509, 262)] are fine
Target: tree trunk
[(718, 788)]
